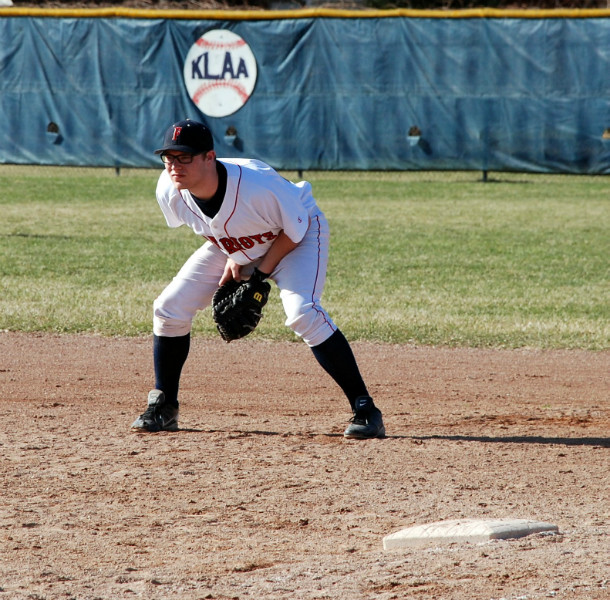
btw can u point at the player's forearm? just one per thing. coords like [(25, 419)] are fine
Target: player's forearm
[(282, 246)]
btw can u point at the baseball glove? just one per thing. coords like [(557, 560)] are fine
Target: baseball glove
[(238, 306)]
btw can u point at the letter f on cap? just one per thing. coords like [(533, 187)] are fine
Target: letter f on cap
[(177, 131)]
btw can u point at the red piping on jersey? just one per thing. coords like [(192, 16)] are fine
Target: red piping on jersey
[(233, 212), (192, 211)]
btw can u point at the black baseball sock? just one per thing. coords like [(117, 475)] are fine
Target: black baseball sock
[(169, 354), (337, 359)]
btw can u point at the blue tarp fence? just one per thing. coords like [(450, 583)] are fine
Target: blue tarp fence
[(518, 94)]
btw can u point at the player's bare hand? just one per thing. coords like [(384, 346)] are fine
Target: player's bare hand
[(232, 271)]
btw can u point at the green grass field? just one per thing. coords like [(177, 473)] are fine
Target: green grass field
[(421, 258)]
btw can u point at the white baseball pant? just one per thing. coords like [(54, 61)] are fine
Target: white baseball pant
[(300, 276)]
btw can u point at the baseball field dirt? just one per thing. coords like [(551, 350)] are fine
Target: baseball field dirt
[(258, 495)]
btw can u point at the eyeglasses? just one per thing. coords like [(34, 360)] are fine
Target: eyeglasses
[(183, 159)]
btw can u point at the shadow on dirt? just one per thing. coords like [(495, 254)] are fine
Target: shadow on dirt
[(520, 439), (515, 439)]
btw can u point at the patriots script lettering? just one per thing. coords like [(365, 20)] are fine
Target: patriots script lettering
[(231, 244), (227, 68)]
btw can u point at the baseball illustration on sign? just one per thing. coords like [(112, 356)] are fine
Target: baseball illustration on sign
[(220, 73)]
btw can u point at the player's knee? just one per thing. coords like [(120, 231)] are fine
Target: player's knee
[(168, 321), (312, 324)]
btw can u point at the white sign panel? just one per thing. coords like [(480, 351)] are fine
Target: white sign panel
[(220, 73)]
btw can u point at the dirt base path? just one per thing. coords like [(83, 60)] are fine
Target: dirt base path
[(259, 495)]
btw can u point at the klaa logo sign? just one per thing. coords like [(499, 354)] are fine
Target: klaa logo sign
[(220, 73)]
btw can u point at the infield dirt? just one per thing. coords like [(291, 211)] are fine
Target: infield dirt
[(260, 496)]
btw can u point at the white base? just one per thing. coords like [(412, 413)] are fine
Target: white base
[(464, 530)]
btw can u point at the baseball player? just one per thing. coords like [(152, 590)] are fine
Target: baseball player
[(256, 224)]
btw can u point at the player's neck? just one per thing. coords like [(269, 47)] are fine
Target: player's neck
[(206, 186)]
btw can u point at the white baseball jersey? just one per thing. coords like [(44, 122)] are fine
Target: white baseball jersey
[(258, 204)]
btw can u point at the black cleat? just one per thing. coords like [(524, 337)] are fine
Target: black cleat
[(159, 416), (367, 422)]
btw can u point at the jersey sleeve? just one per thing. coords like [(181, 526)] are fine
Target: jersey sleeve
[(292, 208), (166, 197)]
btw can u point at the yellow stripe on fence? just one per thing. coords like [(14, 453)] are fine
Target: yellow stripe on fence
[(306, 13)]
